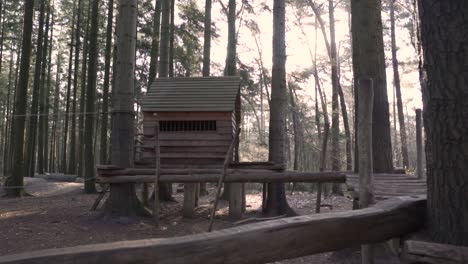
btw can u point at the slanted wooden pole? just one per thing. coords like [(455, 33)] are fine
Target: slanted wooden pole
[(221, 179), (364, 130), (419, 145), (157, 152)]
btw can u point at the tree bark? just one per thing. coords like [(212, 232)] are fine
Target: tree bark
[(155, 43), (123, 200), (443, 27), (72, 157), (206, 59), (165, 190), (171, 40), (81, 117), (55, 122), (64, 163), (14, 182), (276, 197), (165, 36), (105, 90), (396, 83), (43, 94), (335, 130), (91, 101), (30, 154), (369, 62), (207, 40)]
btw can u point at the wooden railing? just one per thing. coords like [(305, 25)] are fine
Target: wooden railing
[(255, 243)]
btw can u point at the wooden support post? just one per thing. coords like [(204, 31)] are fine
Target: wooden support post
[(419, 145), (364, 133), (235, 200), (157, 152), (144, 194), (190, 195), (319, 198)]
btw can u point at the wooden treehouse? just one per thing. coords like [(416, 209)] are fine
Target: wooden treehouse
[(189, 136), (196, 120)]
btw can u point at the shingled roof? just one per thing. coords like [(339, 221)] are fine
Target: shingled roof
[(194, 94)]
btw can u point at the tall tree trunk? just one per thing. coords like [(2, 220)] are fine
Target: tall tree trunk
[(165, 193), (369, 62), (231, 70), (43, 94), (207, 40), (14, 182), (396, 83), (155, 43), (91, 101), (64, 163), (82, 116), (123, 200), (48, 89), (105, 90), (72, 158), (206, 59), (7, 128), (33, 120), (276, 197), (332, 53), (335, 130), (443, 27), (165, 35), (55, 122), (171, 40)]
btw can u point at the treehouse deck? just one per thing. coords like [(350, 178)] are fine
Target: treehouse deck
[(390, 185)]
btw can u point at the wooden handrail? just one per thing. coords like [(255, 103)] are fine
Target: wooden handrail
[(233, 177), (254, 243)]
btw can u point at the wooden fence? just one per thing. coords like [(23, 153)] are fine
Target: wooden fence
[(254, 243)]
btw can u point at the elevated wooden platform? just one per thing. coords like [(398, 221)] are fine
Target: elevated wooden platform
[(390, 185)]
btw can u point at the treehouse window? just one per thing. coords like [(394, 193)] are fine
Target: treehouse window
[(187, 126)]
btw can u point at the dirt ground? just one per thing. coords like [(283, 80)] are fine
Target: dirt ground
[(58, 216)]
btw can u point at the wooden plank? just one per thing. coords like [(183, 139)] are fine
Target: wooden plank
[(254, 243), (183, 170), (195, 136), (238, 177), (213, 149), (257, 165), (148, 116), (433, 253), (197, 143)]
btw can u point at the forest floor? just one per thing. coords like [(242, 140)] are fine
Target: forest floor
[(58, 215)]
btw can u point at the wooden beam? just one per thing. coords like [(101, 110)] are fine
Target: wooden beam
[(255, 243), (433, 253), (175, 171), (287, 176)]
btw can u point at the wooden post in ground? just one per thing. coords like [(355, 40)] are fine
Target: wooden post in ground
[(190, 196), (419, 145), (364, 133), (157, 153)]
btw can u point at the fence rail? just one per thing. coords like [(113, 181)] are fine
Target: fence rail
[(255, 243)]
